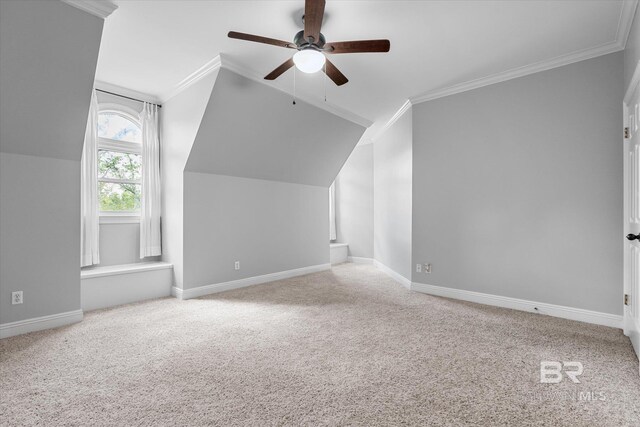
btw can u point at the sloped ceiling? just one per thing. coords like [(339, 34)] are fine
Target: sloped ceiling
[(48, 56), (435, 45), (254, 131)]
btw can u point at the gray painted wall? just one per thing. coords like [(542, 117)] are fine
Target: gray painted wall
[(49, 52), (354, 202), (392, 181), (181, 117), (632, 50), (252, 130), (256, 183), (39, 235), (517, 187), (41, 143), (268, 226), (120, 244)]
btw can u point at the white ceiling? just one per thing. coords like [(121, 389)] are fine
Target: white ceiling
[(151, 46)]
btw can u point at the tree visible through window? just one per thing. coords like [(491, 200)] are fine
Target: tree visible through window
[(119, 163)]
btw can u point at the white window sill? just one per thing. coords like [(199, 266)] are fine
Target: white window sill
[(113, 270), (119, 219)]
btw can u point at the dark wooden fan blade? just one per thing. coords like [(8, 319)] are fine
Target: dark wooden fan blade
[(260, 39), (281, 69), (335, 74), (358, 46), (313, 14)]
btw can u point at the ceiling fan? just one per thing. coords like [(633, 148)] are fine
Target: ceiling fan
[(312, 46)]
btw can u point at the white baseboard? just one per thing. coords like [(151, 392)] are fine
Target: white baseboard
[(394, 275), (564, 312), (581, 315), (242, 283), (39, 323), (359, 260)]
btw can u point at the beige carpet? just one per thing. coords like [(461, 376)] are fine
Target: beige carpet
[(347, 347)]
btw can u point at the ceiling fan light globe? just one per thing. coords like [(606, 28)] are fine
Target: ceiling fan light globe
[(309, 60)]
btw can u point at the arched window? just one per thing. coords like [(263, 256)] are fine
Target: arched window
[(118, 126), (119, 162)]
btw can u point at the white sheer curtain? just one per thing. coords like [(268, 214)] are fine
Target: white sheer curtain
[(150, 242), (332, 212), (89, 221)]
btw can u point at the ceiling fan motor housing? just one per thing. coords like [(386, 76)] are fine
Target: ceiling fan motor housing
[(311, 56), (300, 41)]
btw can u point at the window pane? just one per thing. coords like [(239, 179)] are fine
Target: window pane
[(112, 164), (119, 197), (115, 126)]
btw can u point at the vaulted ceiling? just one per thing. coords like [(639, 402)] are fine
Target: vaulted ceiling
[(250, 130), (152, 46)]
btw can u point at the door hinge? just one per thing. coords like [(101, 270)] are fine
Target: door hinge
[(626, 133), (626, 299)]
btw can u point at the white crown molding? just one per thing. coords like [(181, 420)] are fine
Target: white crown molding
[(109, 87), (518, 72), (40, 323), (222, 61), (564, 312), (193, 78), (326, 106), (242, 283), (627, 13), (622, 33), (100, 8), (405, 107)]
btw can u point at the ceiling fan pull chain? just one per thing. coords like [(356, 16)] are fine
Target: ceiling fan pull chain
[(324, 81), (294, 85)]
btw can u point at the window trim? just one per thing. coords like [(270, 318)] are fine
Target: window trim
[(127, 112), (119, 218), (108, 144)]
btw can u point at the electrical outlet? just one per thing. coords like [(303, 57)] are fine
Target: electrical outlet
[(418, 268), (16, 297), (427, 268), (237, 265)]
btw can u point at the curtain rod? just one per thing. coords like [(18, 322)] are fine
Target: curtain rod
[(127, 97)]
